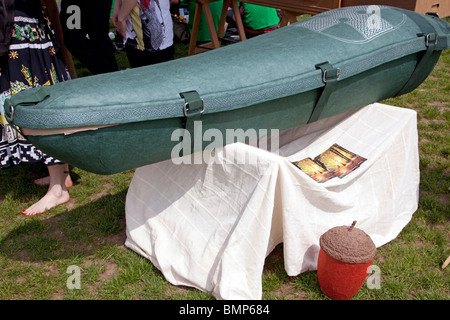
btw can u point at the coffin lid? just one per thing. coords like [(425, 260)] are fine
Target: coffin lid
[(265, 68)]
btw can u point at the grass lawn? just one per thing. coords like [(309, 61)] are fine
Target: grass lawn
[(36, 253)]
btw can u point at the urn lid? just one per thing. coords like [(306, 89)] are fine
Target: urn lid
[(348, 244)]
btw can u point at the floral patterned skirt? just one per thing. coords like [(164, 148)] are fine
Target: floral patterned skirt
[(33, 60)]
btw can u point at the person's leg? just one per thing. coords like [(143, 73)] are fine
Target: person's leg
[(138, 58), (163, 55), (98, 14), (45, 181), (72, 23), (57, 192)]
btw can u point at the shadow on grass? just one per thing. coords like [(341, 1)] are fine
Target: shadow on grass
[(76, 233), (17, 181)]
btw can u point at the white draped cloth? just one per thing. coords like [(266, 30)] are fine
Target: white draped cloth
[(211, 225)]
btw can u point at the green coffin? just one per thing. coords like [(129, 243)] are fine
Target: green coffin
[(322, 66)]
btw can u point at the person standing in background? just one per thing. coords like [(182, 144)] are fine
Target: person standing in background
[(85, 26), (147, 29), (258, 19)]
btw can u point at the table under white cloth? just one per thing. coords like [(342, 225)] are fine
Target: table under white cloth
[(211, 226)]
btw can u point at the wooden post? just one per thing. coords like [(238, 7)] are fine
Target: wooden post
[(223, 17), (211, 26), (195, 27), (238, 20)]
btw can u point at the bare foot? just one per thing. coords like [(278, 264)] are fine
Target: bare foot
[(46, 181), (54, 197)]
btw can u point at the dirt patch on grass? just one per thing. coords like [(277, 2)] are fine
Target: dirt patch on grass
[(444, 198), (274, 259), (289, 292), (58, 295), (71, 204), (109, 271), (109, 268), (120, 237), (442, 104), (106, 187)]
